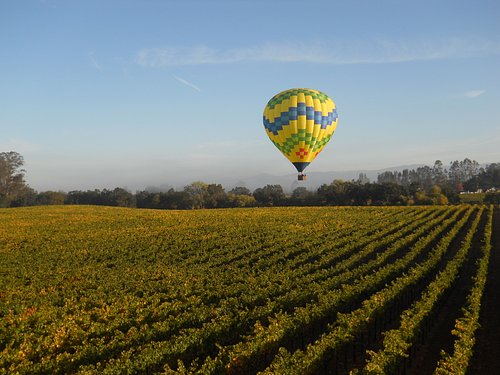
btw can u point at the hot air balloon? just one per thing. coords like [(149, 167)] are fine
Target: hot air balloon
[(300, 122)]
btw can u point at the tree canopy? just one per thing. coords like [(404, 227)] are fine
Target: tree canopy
[(13, 188)]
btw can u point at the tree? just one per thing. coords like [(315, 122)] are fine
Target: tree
[(386, 193), (215, 196), (363, 179), (147, 199), (492, 173), (240, 190), (470, 168), (50, 197), (176, 200), (439, 173), (425, 177), (95, 197), (302, 197), (462, 171), (337, 193), (300, 192), (25, 196), (198, 192), (405, 177), (486, 179), (13, 188), (437, 196), (269, 195), (358, 193), (122, 198), (240, 200), (387, 177), (492, 197)]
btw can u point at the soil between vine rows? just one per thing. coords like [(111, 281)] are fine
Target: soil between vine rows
[(424, 357), (443, 321), (486, 358)]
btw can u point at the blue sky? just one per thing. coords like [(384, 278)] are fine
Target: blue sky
[(99, 94)]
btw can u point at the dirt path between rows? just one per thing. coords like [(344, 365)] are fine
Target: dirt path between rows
[(486, 359), (443, 321)]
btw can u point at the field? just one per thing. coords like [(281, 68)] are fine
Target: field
[(326, 290)]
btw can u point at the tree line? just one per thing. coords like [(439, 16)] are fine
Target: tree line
[(421, 186)]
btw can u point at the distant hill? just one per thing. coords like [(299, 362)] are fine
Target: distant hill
[(315, 179), (289, 181)]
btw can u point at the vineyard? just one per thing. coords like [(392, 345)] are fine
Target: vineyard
[(312, 290)]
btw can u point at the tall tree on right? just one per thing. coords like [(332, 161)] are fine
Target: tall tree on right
[(13, 188)]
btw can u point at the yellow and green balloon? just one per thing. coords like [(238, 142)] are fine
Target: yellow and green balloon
[(300, 122)]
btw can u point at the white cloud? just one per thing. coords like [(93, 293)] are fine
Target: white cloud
[(371, 51), (94, 61), (189, 84), (474, 93)]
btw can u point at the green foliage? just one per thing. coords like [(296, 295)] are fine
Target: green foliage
[(492, 198), (269, 195), (397, 342), (50, 198), (466, 326), (472, 198), (13, 189)]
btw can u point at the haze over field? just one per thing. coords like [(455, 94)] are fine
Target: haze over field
[(103, 94)]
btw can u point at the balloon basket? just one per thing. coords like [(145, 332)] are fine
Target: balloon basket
[(302, 177)]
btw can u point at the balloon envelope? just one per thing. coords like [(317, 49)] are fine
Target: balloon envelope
[(300, 122)]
